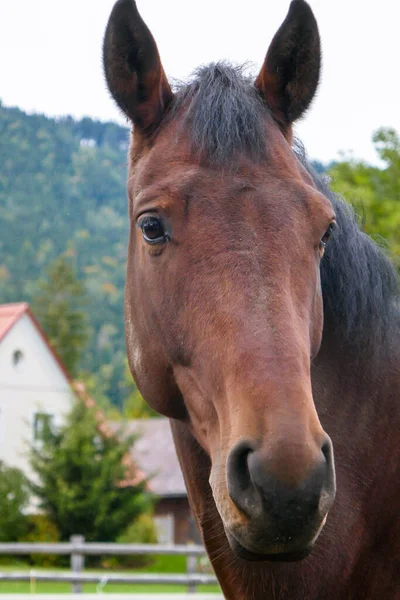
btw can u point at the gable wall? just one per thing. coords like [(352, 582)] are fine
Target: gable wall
[(35, 384)]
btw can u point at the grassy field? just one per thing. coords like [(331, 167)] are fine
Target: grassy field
[(161, 564)]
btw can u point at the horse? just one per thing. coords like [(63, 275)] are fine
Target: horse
[(261, 321)]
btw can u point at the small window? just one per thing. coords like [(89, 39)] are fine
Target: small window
[(17, 358), (42, 422)]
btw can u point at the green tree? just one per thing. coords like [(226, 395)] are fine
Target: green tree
[(373, 190), (14, 499), (85, 486), (58, 307)]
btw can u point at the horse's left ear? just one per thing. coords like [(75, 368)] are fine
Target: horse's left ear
[(133, 69), (289, 76)]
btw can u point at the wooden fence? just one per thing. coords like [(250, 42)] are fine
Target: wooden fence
[(77, 549)]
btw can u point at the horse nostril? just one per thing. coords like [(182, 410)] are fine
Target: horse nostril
[(238, 475), (237, 466), (326, 449)]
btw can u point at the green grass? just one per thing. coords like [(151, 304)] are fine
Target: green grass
[(19, 587), (165, 563), (161, 564)]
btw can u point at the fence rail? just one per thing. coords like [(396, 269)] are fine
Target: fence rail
[(77, 548), (95, 548), (162, 578)]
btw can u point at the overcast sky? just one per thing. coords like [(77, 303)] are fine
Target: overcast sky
[(50, 58)]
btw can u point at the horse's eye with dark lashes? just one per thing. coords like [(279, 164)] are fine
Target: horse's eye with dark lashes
[(153, 230), (327, 235)]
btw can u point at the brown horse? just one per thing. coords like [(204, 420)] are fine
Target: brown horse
[(248, 334)]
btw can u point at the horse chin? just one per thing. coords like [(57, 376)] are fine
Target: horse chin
[(272, 556)]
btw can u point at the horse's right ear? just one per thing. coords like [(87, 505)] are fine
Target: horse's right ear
[(133, 69)]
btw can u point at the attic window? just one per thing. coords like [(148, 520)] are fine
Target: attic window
[(17, 358)]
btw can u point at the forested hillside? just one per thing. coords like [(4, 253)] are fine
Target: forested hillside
[(62, 190)]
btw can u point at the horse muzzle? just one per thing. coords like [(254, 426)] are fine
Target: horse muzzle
[(271, 518)]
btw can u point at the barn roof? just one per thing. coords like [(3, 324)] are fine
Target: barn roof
[(155, 455), (134, 475)]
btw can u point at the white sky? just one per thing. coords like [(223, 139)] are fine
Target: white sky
[(50, 58)]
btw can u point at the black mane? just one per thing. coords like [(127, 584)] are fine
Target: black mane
[(225, 115)]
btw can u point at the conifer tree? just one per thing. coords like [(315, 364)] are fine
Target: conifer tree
[(83, 483)]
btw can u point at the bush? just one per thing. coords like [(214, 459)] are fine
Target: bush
[(14, 500), (141, 531), (41, 529)]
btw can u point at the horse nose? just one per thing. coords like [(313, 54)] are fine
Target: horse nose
[(290, 503)]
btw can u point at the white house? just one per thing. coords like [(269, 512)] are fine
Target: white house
[(34, 385)]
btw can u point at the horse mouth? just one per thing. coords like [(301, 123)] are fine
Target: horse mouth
[(243, 553)]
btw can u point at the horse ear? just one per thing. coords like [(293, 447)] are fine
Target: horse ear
[(133, 69), (289, 76)]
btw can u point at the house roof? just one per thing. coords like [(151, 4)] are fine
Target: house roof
[(10, 315), (155, 455)]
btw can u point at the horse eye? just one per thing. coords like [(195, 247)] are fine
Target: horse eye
[(153, 230), (326, 236)]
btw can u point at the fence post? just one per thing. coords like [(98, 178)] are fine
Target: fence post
[(191, 560), (77, 562)]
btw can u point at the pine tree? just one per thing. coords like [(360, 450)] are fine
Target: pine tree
[(85, 486), (58, 307)]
